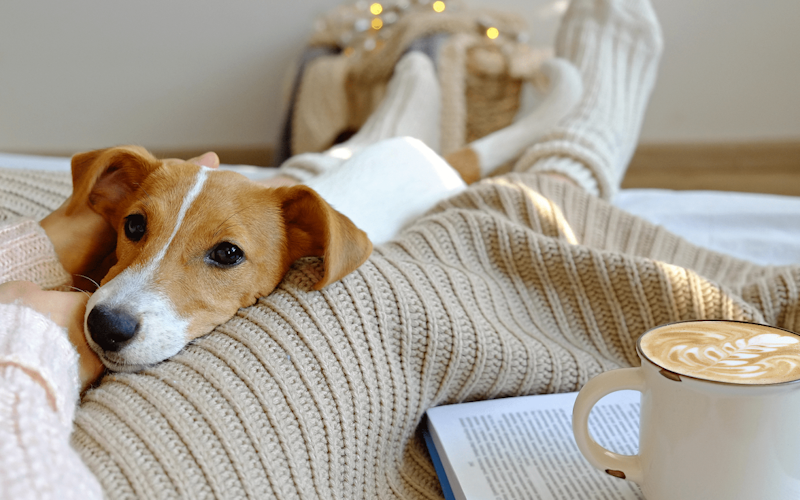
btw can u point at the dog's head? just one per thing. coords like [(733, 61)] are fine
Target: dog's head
[(194, 245)]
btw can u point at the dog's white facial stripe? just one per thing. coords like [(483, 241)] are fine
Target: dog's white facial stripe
[(162, 330), (202, 175)]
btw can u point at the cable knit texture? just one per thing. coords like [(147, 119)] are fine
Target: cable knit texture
[(38, 395), (32, 193), (519, 286), (616, 45), (27, 254), (38, 379)]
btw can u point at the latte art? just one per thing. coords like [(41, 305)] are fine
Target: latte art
[(739, 353)]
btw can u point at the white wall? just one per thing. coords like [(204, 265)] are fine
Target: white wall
[(81, 74), (199, 73), (730, 71)]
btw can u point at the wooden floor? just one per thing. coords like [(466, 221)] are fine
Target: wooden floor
[(750, 167)]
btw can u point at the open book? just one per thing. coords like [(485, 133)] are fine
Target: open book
[(522, 448)]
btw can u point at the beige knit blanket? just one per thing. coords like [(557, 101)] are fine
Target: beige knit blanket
[(521, 285)]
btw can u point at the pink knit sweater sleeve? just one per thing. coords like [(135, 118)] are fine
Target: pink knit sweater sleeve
[(38, 382), (27, 254)]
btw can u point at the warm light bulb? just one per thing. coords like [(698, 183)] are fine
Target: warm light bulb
[(492, 32), (376, 9), (438, 6), (377, 23)]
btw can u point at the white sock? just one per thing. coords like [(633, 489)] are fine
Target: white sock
[(411, 108), (616, 45)]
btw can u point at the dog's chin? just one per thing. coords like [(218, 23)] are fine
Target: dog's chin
[(122, 366), (118, 362)]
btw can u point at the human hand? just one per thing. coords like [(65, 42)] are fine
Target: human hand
[(66, 309)]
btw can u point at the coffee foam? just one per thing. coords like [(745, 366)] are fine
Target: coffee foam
[(738, 353)]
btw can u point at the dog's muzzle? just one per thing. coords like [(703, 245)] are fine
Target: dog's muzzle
[(111, 328)]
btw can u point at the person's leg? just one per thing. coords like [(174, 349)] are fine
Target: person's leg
[(411, 108), (616, 45)]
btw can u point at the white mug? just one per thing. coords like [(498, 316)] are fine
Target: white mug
[(701, 438)]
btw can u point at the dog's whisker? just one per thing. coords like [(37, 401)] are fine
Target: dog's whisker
[(90, 279), (81, 290)]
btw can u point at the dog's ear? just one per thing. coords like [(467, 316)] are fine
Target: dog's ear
[(315, 229), (104, 178)]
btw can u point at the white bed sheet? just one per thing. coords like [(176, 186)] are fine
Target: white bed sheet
[(761, 228)]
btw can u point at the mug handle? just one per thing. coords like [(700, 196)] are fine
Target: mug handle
[(622, 466)]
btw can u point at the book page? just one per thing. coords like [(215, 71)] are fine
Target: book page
[(522, 448)]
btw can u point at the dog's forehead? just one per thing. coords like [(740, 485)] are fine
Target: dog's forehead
[(230, 199), (173, 183), (174, 173), (167, 186), (227, 192), (231, 183), (212, 201)]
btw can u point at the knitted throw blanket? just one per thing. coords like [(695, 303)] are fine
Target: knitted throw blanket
[(521, 285)]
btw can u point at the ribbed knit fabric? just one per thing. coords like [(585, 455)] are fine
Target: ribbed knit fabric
[(33, 343), (616, 45), (520, 285), (27, 253), (38, 381), (32, 193)]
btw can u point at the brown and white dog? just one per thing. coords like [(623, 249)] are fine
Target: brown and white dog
[(193, 246)]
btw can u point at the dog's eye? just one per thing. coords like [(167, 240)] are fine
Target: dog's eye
[(135, 226), (226, 254)]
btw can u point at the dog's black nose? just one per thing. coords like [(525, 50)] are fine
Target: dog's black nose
[(111, 329)]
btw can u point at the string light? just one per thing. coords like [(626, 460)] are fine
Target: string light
[(367, 24)]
